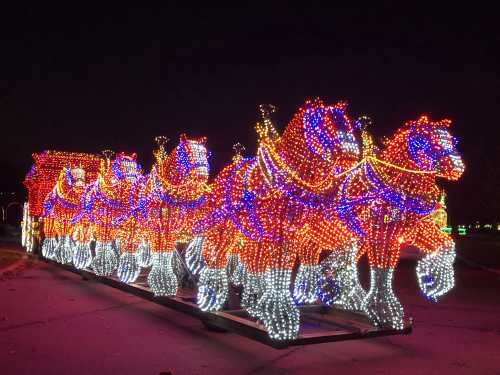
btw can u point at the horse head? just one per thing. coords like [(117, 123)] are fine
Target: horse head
[(125, 167), (191, 158), (77, 176), (328, 133), (432, 148)]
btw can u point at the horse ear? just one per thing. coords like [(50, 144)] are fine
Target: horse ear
[(423, 120), (445, 123), (342, 105), (183, 137)]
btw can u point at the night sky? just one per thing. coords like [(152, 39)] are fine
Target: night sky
[(80, 79)]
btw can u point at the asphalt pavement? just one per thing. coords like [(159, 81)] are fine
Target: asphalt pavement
[(53, 322)]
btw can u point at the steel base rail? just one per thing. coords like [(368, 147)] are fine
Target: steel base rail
[(319, 324)]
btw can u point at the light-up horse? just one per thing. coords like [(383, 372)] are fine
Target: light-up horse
[(386, 202), (61, 208), (168, 202), (107, 207), (268, 199)]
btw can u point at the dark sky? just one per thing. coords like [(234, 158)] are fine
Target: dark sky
[(81, 79)]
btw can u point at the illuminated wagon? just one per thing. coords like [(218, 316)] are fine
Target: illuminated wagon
[(41, 180), (273, 241)]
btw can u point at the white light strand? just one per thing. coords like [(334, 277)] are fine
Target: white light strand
[(381, 304), (306, 284), (340, 266), (82, 257), (212, 289), (232, 264), (240, 274), (128, 268), (194, 257), (435, 273), (144, 255), (277, 308), (49, 247), (64, 252), (162, 279), (253, 289), (105, 260)]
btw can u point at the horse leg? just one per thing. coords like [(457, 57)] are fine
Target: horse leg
[(194, 256), (381, 304), (340, 284), (308, 276), (144, 254), (213, 285), (64, 252), (49, 247), (435, 273), (82, 256), (253, 265), (161, 278), (277, 308), (128, 265), (105, 260)]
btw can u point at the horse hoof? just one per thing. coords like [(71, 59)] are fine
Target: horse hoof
[(278, 311), (253, 289), (212, 289), (128, 268), (105, 261), (82, 258), (49, 247), (306, 284), (161, 278), (381, 305), (64, 252)]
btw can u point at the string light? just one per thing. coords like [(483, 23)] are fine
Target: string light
[(307, 191)]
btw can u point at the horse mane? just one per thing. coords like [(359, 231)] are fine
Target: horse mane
[(294, 146)]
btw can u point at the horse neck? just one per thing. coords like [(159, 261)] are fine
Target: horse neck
[(396, 153), (293, 149), (63, 183), (168, 169), (110, 189)]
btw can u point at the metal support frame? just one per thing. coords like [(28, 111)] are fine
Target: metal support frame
[(319, 324)]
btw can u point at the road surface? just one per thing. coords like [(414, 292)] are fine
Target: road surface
[(53, 322)]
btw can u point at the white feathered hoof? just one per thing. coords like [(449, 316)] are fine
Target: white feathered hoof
[(306, 284), (82, 257), (239, 274), (381, 305), (277, 308), (49, 247), (105, 260), (212, 289), (144, 255), (162, 279), (194, 256), (64, 252), (128, 268), (253, 288)]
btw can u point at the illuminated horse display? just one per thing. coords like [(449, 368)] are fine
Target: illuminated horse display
[(386, 202), (167, 203), (268, 199), (309, 198), (61, 208), (107, 208)]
